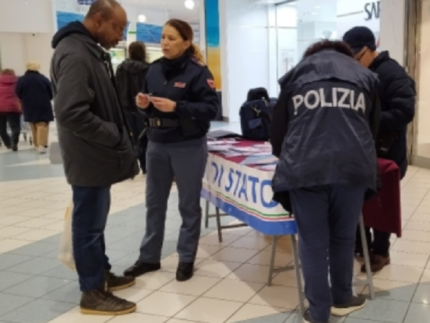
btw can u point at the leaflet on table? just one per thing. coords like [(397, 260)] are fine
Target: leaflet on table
[(270, 167), (246, 150), (259, 160), (222, 142), (219, 148)]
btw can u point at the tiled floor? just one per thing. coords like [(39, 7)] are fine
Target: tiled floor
[(230, 281)]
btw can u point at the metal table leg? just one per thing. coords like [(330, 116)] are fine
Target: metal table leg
[(207, 215), (298, 277), (369, 279), (272, 260)]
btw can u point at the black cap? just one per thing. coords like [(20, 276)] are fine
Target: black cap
[(358, 37)]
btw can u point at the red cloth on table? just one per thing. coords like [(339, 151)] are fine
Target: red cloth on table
[(383, 212)]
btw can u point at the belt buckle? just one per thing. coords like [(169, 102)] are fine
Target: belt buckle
[(158, 122)]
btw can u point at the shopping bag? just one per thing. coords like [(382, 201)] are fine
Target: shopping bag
[(66, 248)]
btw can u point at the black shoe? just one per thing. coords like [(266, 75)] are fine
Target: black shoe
[(14, 148), (140, 268), (99, 302), (115, 283), (356, 303), (308, 319), (185, 271)]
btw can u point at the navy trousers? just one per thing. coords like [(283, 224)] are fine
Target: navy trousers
[(186, 162), (327, 218)]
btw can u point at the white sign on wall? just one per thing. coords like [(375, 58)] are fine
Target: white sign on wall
[(358, 13)]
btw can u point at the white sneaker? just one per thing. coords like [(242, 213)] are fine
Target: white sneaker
[(41, 149)]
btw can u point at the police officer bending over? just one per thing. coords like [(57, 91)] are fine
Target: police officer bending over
[(322, 133), (180, 100)]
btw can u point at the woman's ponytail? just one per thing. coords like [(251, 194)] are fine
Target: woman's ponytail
[(197, 53)]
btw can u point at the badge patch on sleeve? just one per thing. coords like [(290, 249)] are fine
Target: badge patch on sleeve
[(211, 83), (180, 85)]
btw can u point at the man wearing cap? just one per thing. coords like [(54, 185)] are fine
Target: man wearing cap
[(397, 95)]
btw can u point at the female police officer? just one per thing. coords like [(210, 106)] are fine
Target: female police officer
[(180, 101), (323, 130)]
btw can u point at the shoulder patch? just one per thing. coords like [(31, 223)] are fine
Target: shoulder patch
[(211, 83)]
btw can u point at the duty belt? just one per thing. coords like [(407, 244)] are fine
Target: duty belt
[(163, 123)]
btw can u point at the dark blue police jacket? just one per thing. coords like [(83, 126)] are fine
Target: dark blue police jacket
[(323, 123), (197, 103)]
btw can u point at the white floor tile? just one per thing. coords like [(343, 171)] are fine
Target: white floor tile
[(139, 318), (212, 268), (154, 280), (11, 244), (133, 294), (251, 242), (75, 316), (207, 310), (251, 273), (234, 290), (234, 254), (277, 296), (251, 311), (164, 304), (196, 286), (408, 259), (400, 273)]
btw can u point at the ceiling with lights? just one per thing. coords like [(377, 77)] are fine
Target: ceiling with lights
[(182, 9)]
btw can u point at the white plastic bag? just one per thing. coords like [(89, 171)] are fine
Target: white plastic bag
[(66, 248)]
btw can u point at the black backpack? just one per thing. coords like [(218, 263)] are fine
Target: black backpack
[(255, 115)]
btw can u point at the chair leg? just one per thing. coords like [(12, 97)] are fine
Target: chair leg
[(218, 224), (298, 277), (272, 260), (366, 259), (207, 215)]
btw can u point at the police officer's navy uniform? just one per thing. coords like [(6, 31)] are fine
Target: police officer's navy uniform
[(322, 132), (177, 149)]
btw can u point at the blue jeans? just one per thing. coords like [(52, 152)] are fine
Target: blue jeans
[(327, 217), (90, 211)]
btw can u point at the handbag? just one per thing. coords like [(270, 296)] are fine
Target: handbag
[(65, 253)]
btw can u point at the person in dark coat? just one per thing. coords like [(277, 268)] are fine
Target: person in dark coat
[(397, 95), (96, 146), (130, 76), (323, 131), (35, 92)]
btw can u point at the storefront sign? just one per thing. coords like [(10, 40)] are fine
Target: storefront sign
[(372, 10)]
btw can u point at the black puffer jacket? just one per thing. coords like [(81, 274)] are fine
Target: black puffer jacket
[(130, 76), (397, 95)]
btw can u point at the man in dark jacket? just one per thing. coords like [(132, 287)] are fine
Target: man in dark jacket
[(95, 144), (397, 95), (130, 77), (322, 131)]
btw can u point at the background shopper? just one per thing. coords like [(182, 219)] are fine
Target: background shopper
[(95, 145), (322, 133), (130, 76), (35, 92), (397, 95), (10, 109), (180, 101)]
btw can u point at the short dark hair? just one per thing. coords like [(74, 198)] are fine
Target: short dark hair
[(337, 45), (103, 7), (137, 51)]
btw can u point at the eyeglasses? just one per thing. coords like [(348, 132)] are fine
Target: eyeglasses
[(361, 56)]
